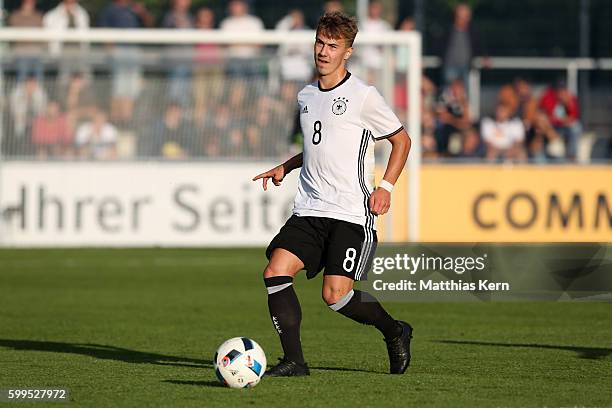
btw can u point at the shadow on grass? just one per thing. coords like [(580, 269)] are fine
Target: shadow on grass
[(591, 353), (218, 384), (106, 352), (103, 352), (196, 383), (357, 370)]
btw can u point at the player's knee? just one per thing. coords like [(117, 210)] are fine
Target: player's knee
[(270, 271), (276, 269), (282, 263), (332, 295)]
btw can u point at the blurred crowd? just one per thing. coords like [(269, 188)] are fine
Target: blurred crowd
[(215, 101), (523, 126)]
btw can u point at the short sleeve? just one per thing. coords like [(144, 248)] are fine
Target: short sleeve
[(378, 117)]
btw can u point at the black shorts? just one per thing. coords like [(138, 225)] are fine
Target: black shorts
[(341, 247)]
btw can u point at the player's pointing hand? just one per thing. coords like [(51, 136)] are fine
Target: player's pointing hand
[(276, 174)]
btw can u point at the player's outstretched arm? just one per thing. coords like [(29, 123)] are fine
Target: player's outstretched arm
[(278, 173), (380, 200)]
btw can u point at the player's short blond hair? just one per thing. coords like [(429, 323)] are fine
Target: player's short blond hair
[(338, 25)]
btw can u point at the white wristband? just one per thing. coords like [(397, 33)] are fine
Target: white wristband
[(386, 185)]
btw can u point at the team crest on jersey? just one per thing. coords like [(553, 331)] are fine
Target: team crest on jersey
[(339, 105)]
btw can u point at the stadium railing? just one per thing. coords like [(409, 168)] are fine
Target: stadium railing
[(170, 76)]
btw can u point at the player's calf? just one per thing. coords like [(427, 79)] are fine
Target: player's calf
[(285, 311), (286, 315), (365, 308)]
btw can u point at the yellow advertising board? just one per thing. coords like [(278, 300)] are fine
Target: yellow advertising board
[(521, 203)]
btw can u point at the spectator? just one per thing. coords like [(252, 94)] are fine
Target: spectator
[(172, 137), (543, 141), (97, 139), (295, 59), (503, 135), (428, 139), (428, 94), (243, 59), (332, 6), (239, 92), (27, 101), (520, 100), (217, 131), (372, 56), (27, 53), (402, 54), (51, 132), (126, 59), (179, 57), (261, 127), (126, 14), (400, 95), (472, 146), (68, 15), (527, 104), (428, 115), (563, 112), (179, 16), (227, 135), (265, 129), (460, 46), (455, 119), (78, 97), (508, 97), (208, 59)]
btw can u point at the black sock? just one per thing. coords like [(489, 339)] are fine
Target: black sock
[(365, 309), (286, 315)]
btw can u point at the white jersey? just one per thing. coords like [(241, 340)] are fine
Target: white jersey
[(340, 126)]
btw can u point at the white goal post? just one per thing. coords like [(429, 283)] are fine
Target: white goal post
[(165, 37)]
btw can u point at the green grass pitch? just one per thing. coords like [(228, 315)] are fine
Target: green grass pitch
[(140, 327)]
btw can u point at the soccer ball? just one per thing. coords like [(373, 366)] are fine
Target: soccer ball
[(240, 363)]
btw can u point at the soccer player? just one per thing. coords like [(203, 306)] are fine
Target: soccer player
[(335, 209)]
